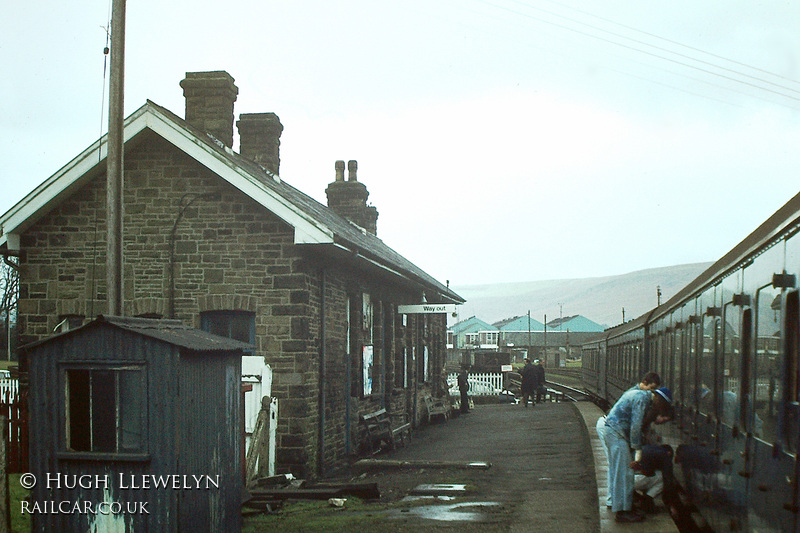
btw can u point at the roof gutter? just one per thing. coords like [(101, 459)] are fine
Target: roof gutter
[(403, 275)]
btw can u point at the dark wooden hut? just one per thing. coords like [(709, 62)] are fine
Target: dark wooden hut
[(136, 423)]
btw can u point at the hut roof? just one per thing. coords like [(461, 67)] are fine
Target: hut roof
[(170, 331)]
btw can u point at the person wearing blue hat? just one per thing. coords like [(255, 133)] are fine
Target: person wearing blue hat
[(665, 393), (623, 432), (653, 470)]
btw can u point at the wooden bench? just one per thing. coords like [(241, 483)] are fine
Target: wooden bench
[(437, 407), (378, 429)]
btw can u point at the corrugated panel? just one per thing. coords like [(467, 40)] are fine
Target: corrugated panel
[(193, 427), (173, 332), (210, 401)]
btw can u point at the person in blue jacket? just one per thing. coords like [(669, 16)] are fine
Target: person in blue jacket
[(623, 433)]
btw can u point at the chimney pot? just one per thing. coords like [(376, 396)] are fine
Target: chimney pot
[(349, 198), (260, 139), (352, 169), (209, 103)]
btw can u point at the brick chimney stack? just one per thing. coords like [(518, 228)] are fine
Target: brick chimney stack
[(349, 198), (260, 139), (209, 103)]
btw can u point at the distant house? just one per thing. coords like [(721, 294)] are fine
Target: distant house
[(218, 240), (516, 333), (522, 336), (473, 333), (466, 337), (561, 339), (575, 323), (519, 323)]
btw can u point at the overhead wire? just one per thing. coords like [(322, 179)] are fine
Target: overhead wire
[(685, 56), (677, 43), (650, 53)]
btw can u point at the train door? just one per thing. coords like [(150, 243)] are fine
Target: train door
[(790, 426), (669, 374), (745, 406), (603, 369), (790, 429), (764, 459), (730, 436), (705, 429)]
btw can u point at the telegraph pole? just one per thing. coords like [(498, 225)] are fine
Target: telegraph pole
[(114, 160), (545, 339), (530, 345)]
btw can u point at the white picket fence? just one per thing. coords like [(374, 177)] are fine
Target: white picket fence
[(485, 384), (9, 388)]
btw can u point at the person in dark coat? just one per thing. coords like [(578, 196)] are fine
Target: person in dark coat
[(528, 388), (539, 380), (463, 387)]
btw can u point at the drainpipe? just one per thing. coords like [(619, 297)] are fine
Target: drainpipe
[(414, 364), (322, 377), (347, 392), (172, 238), (384, 397)]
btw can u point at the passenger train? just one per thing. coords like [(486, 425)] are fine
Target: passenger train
[(727, 345)]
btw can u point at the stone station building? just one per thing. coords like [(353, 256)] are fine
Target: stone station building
[(218, 240)]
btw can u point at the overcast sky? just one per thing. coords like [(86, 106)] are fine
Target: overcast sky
[(500, 140)]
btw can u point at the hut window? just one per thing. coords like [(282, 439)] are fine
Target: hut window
[(105, 409), (237, 325)]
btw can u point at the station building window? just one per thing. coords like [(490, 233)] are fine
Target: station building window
[(237, 325)]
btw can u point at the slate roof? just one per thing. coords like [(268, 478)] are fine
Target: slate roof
[(344, 230), (253, 179)]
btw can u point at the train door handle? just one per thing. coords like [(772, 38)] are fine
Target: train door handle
[(763, 488), (745, 474), (791, 507)]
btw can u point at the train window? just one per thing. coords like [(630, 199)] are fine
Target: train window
[(768, 363), (666, 375), (677, 365), (731, 368), (705, 391), (690, 365), (792, 348), (746, 369)]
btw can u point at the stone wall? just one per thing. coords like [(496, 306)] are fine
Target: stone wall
[(194, 243)]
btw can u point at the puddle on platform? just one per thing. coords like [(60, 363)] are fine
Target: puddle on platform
[(409, 499), (464, 512), (439, 489)]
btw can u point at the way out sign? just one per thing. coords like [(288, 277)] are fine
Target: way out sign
[(425, 309)]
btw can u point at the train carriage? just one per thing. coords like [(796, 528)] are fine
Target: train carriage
[(727, 345)]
